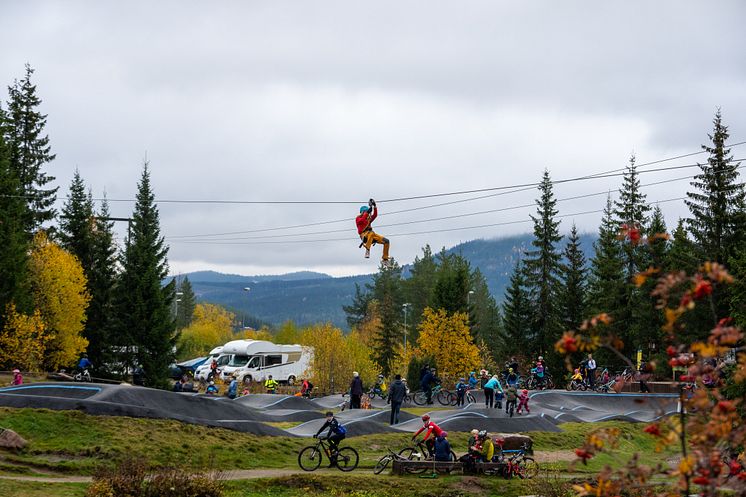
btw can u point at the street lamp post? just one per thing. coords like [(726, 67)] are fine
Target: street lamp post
[(406, 307), (468, 297), (243, 315)]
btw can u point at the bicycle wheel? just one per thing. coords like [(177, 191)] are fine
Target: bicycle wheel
[(419, 398), (382, 463), (347, 459), (444, 398), (470, 399), (412, 454), (549, 383), (527, 467), (309, 459)]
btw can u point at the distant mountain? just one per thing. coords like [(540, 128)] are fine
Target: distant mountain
[(306, 297)]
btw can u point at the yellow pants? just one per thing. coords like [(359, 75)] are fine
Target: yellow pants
[(370, 236)]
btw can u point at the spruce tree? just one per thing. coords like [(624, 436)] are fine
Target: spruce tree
[(144, 306), (418, 288), (517, 313), (14, 240), (185, 305), (682, 253), (484, 316), (573, 293), (102, 281), (717, 202), (542, 265), (30, 151), (607, 283), (452, 284), (651, 321), (387, 292), (357, 311), (77, 224)]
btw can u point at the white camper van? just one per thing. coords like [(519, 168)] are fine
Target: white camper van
[(255, 360), (203, 371)]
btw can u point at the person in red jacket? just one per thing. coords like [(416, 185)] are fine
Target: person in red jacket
[(368, 214), (431, 428)]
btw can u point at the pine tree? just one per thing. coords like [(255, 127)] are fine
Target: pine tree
[(387, 292), (357, 311), (14, 240), (573, 296), (102, 281), (543, 268), (418, 288), (517, 313), (484, 317), (606, 289), (30, 151), (77, 223), (681, 254), (658, 244), (185, 304), (717, 204), (657, 256), (452, 285), (144, 306)]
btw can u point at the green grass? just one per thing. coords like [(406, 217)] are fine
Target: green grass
[(39, 489)]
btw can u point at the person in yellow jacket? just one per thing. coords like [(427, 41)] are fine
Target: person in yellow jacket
[(271, 385), (488, 448)]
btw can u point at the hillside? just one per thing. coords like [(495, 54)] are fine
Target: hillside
[(308, 297)]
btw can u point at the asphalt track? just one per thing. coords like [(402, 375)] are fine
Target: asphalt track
[(251, 413)]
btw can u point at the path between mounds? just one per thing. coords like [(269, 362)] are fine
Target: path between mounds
[(251, 474)]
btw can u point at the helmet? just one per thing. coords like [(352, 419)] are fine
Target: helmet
[(444, 434), (472, 373), (426, 417), (16, 370), (363, 208), (355, 374), (524, 391), (462, 379), (380, 376), (482, 434), (541, 358), (212, 383), (510, 370)]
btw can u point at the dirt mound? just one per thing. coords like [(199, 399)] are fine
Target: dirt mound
[(11, 440)]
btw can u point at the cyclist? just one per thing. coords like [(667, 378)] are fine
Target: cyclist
[(334, 436), (511, 396), (17, 377), (488, 448), (427, 383), (523, 402), (271, 384), (511, 379), (431, 428), (212, 389), (306, 388), (381, 388), (84, 363)]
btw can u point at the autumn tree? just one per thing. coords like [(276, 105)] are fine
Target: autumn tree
[(288, 333), (145, 323), (446, 337), (23, 340), (211, 326), (30, 151), (60, 294)]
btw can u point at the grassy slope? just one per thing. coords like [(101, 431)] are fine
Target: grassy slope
[(77, 443)]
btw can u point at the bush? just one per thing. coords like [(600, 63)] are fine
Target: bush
[(132, 479)]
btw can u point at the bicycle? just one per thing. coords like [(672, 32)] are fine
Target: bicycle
[(309, 458), (84, 376), (468, 398), (511, 407), (444, 397), (420, 452), (576, 385), (518, 464), (384, 461), (533, 382), (377, 391)]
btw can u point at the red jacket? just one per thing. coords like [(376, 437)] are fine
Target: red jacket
[(431, 428), (365, 219)]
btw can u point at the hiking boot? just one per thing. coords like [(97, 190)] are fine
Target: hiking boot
[(367, 253)]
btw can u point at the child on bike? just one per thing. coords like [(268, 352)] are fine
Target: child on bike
[(461, 389), (17, 377), (442, 447), (511, 379), (523, 402), (334, 436), (511, 397), (577, 375), (432, 429)]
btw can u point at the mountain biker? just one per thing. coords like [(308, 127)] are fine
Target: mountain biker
[(368, 214), (461, 388), (427, 383), (306, 388), (271, 384), (488, 448), (442, 447), (84, 363), (511, 397), (17, 377), (381, 386), (334, 436), (539, 371), (523, 402), (431, 428)]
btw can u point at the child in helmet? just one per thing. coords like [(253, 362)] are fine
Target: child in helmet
[(511, 397), (212, 389), (17, 377), (442, 447), (368, 214), (473, 382), (461, 388), (523, 402), (488, 448)]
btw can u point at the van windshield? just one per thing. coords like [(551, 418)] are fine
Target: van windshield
[(254, 362), (239, 360)]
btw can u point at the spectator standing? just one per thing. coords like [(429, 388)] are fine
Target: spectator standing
[(17, 377), (233, 388), (591, 365), (489, 391), (397, 392), (271, 385), (356, 390)]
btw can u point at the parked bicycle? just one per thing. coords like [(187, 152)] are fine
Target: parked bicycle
[(420, 452), (516, 463), (309, 458), (384, 461), (535, 383), (577, 385)]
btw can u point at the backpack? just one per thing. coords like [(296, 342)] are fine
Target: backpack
[(341, 430)]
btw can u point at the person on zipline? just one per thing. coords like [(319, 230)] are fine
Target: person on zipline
[(368, 214)]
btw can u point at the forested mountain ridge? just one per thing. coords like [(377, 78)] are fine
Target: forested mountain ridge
[(307, 297)]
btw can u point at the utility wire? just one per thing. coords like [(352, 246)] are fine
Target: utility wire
[(444, 218)]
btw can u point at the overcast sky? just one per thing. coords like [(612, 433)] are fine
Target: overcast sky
[(342, 101)]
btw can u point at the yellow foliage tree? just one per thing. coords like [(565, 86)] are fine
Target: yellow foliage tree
[(261, 334), (369, 328), (60, 295), (447, 338), (211, 326), (288, 334), (336, 356), (23, 340)]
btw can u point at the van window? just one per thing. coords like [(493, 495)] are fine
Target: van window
[(254, 362), (223, 360), (239, 360), (271, 360)]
